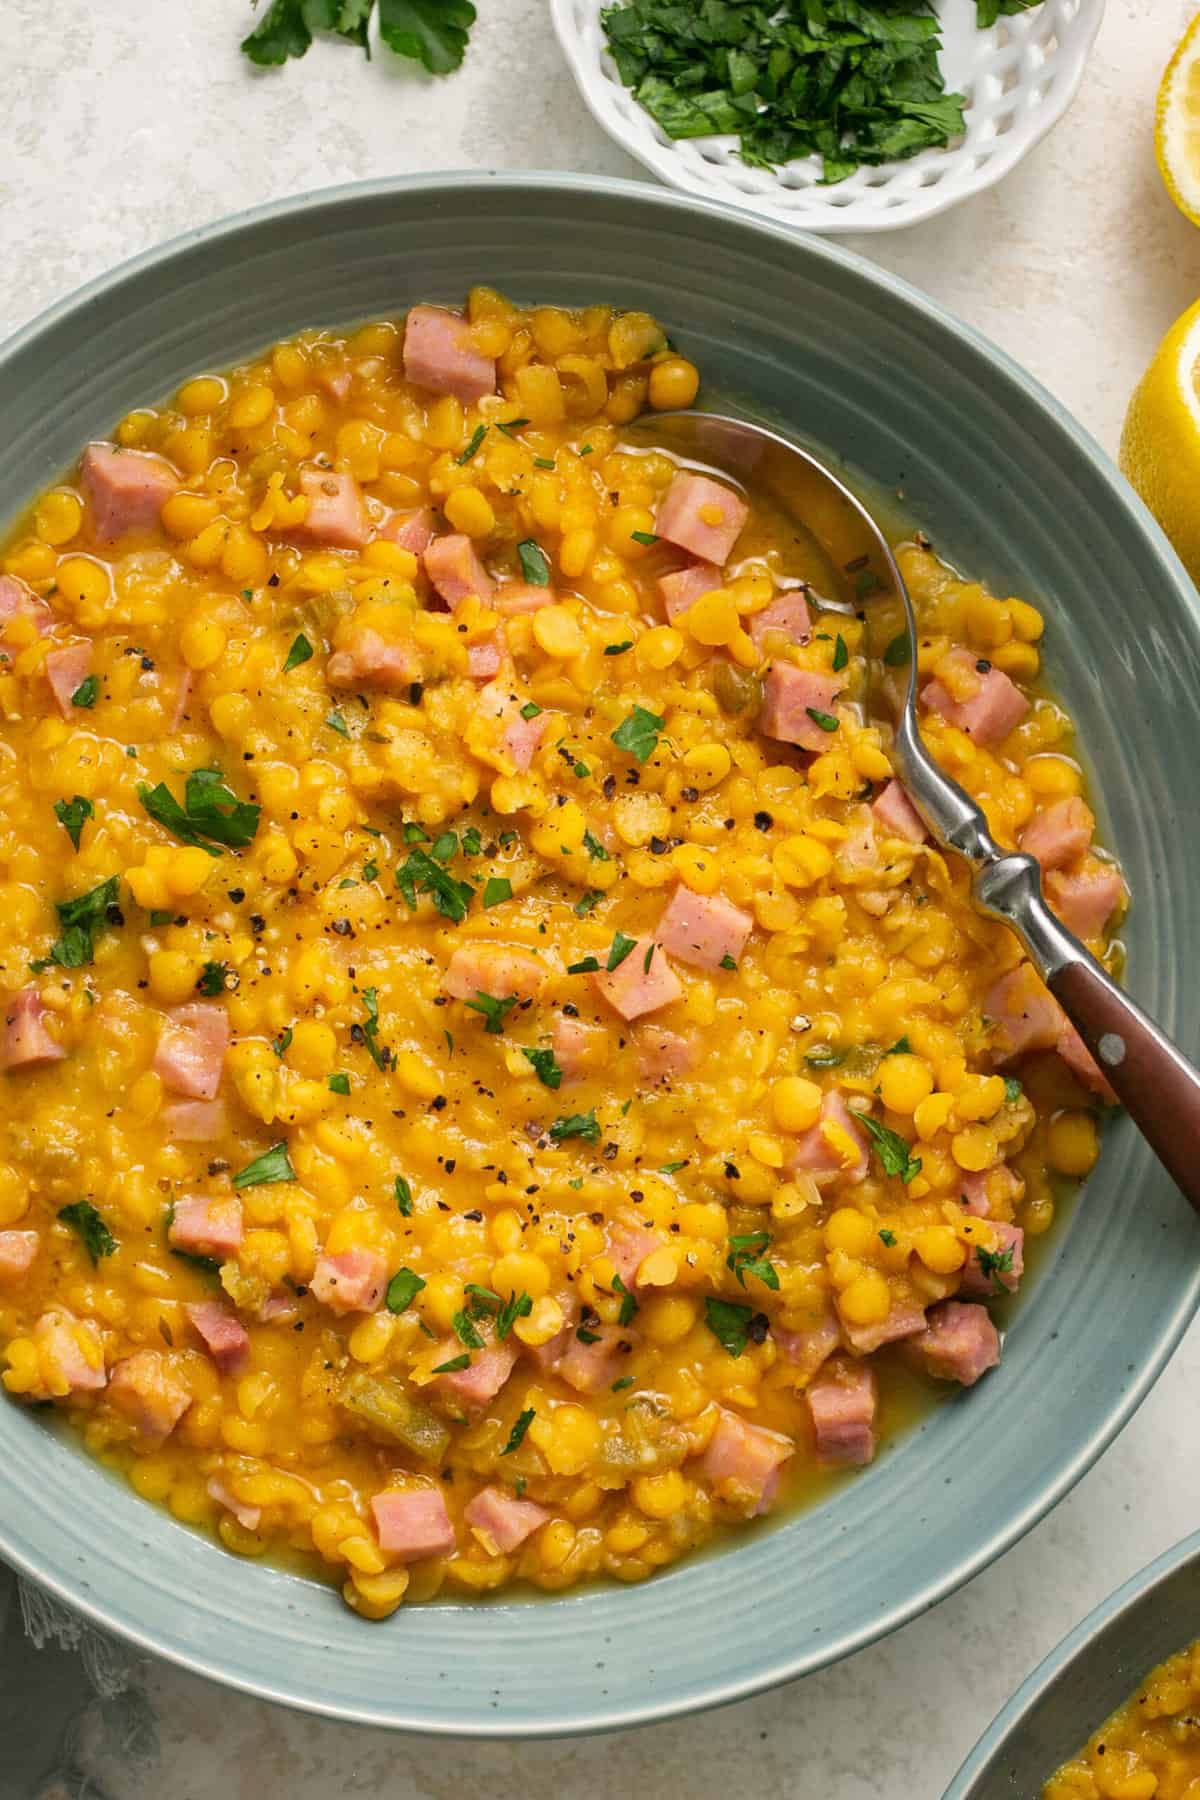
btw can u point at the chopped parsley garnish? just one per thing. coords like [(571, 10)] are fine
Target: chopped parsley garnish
[(587, 966), (618, 649), (901, 1047), (161, 915), (472, 843), (85, 694), (477, 437), (1012, 1090), (620, 949), (841, 656), (517, 1306), (643, 537), (403, 1194), (210, 816), (454, 1365), (672, 1168), (414, 833), (995, 1263), (273, 1165), (431, 32), (493, 1010), (544, 462), (895, 1155), (746, 1258), (516, 1436), (577, 1125), (496, 890), (337, 723), (534, 565), (419, 873), (339, 1083), (444, 847), (370, 870), (510, 427), (281, 1044), (370, 1028), (595, 848), (587, 901), (544, 1067), (639, 733), (87, 1224), (733, 1325), (213, 978), (629, 1305), (888, 1238), (530, 710), (465, 1331), (72, 815), (899, 651), (300, 652), (81, 919), (402, 1290), (825, 720), (727, 962), (626, 1381)]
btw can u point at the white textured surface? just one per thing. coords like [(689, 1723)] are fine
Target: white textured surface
[(128, 120), (1017, 78)]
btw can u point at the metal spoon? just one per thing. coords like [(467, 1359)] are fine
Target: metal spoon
[(1157, 1086)]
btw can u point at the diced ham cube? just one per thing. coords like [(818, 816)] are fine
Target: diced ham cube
[(501, 1522), (248, 1517), (500, 711), (336, 383), (66, 669), (477, 1385), (517, 597), (1061, 834), (456, 571), (439, 355), (592, 1368), (842, 1406), (807, 1351), (994, 705), (223, 1334), (18, 1252), (897, 814), (786, 617), (205, 1226), (960, 1343), (579, 1049), (835, 1145), (71, 1354), (191, 1050), (547, 1356), (901, 1322), (702, 516), (412, 531), (1008, 1244), (484, 659), (683, 587), (152, 1397), (351, 1281), (496, 969), (628, 1247), (17, 601), (24, 1041), (1024, 1012), (790, 697), (742, 1459), (633, 989), (337, 513), (663, 1055), (521, 739), (368, 659), (703, 929), (985, 1193), (125, 489), (1085, 898), (413, 1523), (194, 1121), (1082, 1063)]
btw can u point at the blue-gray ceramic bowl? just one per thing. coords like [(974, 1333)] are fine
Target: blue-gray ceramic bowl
[(1094, 1670), (1010, 488)]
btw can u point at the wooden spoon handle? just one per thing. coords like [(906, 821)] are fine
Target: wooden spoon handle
[(1157, 1086)]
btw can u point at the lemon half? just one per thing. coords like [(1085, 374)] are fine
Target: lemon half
[(1177, 124), (1160, 444)]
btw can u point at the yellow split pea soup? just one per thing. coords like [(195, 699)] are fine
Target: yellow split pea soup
[(491, 1061), (1149, 1749)]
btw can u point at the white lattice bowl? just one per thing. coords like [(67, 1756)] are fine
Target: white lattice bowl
[(1019, 77)]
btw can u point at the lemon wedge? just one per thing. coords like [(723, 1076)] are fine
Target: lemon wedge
[(1177, 124), (1160, 443)]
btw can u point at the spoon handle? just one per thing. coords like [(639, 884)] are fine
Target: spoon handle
[(1154, 1082)]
